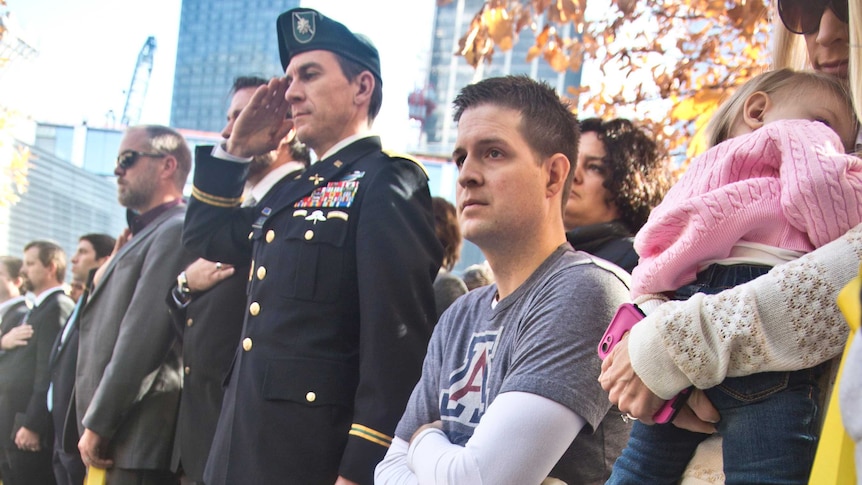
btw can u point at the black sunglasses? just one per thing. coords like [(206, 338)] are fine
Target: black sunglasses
[(803, 16), (127, 159)]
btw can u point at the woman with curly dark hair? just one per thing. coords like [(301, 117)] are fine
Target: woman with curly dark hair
[(619, 177), (447, 286)]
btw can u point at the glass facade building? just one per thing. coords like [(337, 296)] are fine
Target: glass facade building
[(218, 41), (448, 72), (62, 203)]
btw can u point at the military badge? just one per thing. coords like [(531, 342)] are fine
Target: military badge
[(337, 215), (356, 175), (303, 27), (333, 194), (315, 217)]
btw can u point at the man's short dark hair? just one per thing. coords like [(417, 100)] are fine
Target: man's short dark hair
[(547, 123), (13, 265), (103, 244), (637, 174), (352, 69), (243, 82), (50, 252)]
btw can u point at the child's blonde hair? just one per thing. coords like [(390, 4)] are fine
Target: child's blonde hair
[(783, 81)]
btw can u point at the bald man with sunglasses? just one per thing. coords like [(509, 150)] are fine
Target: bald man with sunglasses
[(129, 370)]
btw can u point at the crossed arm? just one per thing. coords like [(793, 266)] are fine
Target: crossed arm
[(505, 440)]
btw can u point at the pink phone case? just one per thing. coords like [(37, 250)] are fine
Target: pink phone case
[(627, 315)]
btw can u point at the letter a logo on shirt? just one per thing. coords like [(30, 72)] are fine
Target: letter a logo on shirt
[(467, 394)]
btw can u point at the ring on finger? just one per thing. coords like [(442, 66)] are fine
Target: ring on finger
[(627, 418), (218, 266)]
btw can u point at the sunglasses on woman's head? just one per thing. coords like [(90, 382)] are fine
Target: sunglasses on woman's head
[(128, 158), (803, 16)]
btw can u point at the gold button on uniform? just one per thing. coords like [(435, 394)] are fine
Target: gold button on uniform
[(261, 273), (246, 344), (310, 396), (188, 370), (189, 322), (254, 308), (270, 235), (309, 234)]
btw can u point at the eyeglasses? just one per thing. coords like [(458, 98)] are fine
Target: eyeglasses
[(803, 16), (127, 159)]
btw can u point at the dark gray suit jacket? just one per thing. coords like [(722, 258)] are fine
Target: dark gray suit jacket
[(129, 374)]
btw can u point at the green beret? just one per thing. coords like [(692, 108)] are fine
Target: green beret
[(303, 29)]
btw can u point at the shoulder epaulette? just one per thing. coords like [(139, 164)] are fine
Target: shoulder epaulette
[(394, 154)]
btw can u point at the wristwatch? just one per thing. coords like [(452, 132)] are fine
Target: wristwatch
[(181, 294), (183, 284)]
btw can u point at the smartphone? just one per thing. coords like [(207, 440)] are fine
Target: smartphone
[(627, 315)]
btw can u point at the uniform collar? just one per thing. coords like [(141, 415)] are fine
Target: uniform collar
[(260, 189), (343, 143)]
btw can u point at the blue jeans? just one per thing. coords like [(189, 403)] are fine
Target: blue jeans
[(769, 421)]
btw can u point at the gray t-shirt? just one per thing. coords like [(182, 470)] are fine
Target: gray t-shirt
[(541, 339)]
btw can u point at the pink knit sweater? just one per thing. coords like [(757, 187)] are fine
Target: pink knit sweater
[(788, 184)]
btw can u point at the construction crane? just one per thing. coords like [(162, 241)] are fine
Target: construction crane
[(140, 81)]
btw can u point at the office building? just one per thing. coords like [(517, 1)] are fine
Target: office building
[(448, 72), (218, 41), (61, 203)]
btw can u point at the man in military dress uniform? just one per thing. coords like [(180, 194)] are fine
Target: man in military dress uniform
[(208, 305), (340, 303)]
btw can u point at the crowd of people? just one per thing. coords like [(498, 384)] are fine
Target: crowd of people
[(297, 320)]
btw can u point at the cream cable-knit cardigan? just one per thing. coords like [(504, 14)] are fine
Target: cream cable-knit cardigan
[(784, 320)]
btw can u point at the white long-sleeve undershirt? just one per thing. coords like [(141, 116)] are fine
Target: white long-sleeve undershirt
[(518, 441)]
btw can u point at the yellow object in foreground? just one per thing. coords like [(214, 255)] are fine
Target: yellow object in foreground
[(833, 463), (95, 476)]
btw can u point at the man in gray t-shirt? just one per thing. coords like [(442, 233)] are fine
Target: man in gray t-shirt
[(509, 390)]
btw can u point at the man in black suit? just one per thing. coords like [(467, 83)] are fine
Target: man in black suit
[(93, 251), (340, 304), (208, 305), (24, 369), (13, 308)]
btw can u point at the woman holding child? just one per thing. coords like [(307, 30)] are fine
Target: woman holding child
[(784, 321)]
